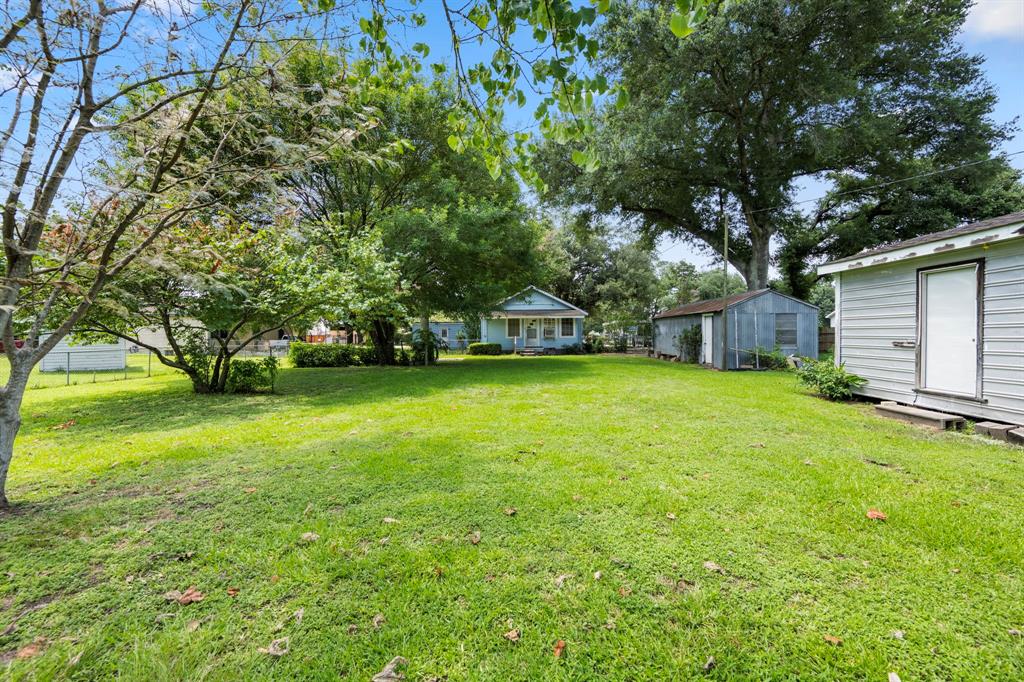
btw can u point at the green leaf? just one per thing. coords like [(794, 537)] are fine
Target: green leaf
[(603, 5), (580, 158), (680, 25), (454, 143), (422, 49)]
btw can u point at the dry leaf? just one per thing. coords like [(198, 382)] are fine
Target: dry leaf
[(560, 580), (308, 510), (173, 595), (310, 537), (510, 511), (298, 615), (625, 591), (249, 490), (757, 445), (577, 497), (388, 519), (274, 578), (353, 629), (559, 648), (475, 537), (384, 540), (712, 566), (1013, 632), (32, 649), (190, 595), (597, 575), (233, 591), (279, 647), (833, 640), (893, 677), (709, 664), (378, 621), (390, 671), (192, 626), (60, 427), (670, 516), (876, 515), (808, 462), (609, 624), (513, 635), (73, 661)]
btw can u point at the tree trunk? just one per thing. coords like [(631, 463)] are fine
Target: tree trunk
[(425, 338), (382, 336), (10, 422), (760, 246)]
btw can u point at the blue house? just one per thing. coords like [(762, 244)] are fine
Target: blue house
[(452, 332), (533, 321)]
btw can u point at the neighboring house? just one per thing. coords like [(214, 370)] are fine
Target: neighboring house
[(938, 321), (756, 319), (533, 320), (452, 332), (84, 356)]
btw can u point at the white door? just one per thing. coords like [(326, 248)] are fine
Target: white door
[(707, 339), (949, 330), (532, 337)]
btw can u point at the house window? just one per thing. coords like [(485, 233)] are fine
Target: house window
[(549, 329), (444, 333), (512, 328), (785, 329), (568, 326)]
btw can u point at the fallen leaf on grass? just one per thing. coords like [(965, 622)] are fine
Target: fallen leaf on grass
[(233, 591), (378, 621), (893, 677), (559, 648), (712, 566), (310, 537), (390, 672), (808, 462), (876, 515), (577, 497), (65, 425), (597, 575), (185, 598), (709, 664), (73, 661), (1013, 632), (279, 647), (475, 537), (510, 511), (249, 490), (560, 580), (353, 629), (625, 591), (670, 516), (388, 519), (513, 635), (192, 626), (32, 649), (274, 578), (308, 510), (757, 445), (833, 640)]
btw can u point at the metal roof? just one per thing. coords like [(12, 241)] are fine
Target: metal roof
[(713, 305), (981, 225)]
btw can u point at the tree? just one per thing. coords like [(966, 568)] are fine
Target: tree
[(770, 93), (213, 289)]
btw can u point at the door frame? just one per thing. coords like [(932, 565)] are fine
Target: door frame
[(979, 296), (526, 337)]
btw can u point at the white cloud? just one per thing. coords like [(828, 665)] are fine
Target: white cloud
[(997, 19)]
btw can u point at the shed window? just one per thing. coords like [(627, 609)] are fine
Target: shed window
[(568, 327), (785, 329), (444, 332), (512, 328), (549, 329)]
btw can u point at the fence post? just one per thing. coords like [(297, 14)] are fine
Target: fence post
[(67, 369), (149, 370)]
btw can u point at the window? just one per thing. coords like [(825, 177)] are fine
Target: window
[(549, 329), (512, 328), (785, 329), (568, 326), (444, 332)]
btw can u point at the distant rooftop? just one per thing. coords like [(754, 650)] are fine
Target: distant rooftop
[(711, 305)]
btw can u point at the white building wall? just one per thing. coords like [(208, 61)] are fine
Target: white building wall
[(94, 356)]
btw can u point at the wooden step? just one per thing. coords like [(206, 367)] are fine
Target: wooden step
[(921, 417)]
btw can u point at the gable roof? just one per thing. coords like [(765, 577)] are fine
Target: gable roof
[(712, 305), (516, 295), (856, 260)]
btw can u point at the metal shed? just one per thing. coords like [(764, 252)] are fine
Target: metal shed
[(84, 357), (938, 321), (754, 319)]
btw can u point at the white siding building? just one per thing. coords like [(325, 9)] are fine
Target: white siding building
[(938, 321), (85, 357)]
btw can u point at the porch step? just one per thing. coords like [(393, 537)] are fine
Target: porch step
[(916, 415), (530, 352), (994, 430)]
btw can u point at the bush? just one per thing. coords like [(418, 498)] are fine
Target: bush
[(593, 345), (770, 359), (688, 343), (572, 349), (829, 380), (252, 376), (484, 349), (619, 344), (331, 355), (434, 344)]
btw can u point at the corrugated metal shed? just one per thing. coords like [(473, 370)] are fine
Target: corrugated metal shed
[(762, 319), (84, 357)]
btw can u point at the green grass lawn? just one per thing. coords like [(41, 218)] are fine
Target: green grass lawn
[(627, 476)]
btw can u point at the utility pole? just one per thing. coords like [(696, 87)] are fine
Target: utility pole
[(725, 292)]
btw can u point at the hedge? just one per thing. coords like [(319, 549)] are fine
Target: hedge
[(484, 349), (330, 355)]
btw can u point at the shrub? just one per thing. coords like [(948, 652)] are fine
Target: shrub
[(252, 376), (829, 380), (330, 355), (688, 343), (434, 344), (593, 345), (572, 349), (771, 359), (484, 349), (619, 344)]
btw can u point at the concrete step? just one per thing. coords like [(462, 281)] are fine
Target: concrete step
[(916, 415), (1015, 436), (994, 430)]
